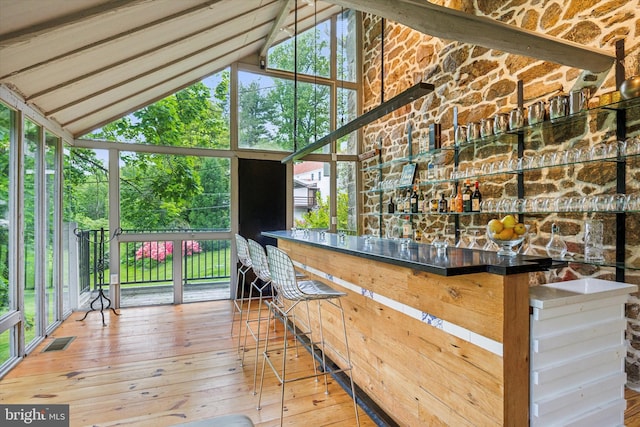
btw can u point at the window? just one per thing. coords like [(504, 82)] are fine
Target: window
[(168, 192), (313, 52), (266, 111)]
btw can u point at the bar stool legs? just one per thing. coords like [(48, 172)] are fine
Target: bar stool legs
[(242, 249), (249, 330), (292, 292), (282, 374)]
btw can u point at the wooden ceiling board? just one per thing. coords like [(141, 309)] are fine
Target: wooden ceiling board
[(145, 50), (162, 64), (153, 85), (88, 120)]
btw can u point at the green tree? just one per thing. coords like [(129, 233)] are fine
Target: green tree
[(266, 114), (253, 116), (157, 190), (319, 216)]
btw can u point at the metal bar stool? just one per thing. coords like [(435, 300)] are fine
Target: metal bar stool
[(260, 284), (242, 250), (283, 278)]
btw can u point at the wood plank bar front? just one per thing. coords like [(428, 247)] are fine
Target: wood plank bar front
[(462, 360)]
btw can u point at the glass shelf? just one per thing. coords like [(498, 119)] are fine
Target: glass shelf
[(503, 213), (475, 177), (576, 260)]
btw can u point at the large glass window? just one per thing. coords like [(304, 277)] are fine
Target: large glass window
[(32, 294), (165, 192), (347, 197), (311, 194), (313, 48), (6, 132), (196, 116), (266, 111), (347, 69), (51, 149)]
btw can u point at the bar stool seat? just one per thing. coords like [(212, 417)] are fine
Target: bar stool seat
[(289, 289), (315, 289)]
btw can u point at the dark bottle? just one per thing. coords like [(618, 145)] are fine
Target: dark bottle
[(414, 200), (476, 198), (391, 207), (442, 204), (466, 198)]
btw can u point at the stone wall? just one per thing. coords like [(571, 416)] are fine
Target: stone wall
[(481, 82)]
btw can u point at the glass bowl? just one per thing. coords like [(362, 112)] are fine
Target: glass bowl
[(506, 246)]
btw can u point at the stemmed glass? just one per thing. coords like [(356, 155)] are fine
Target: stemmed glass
[(473, 244)]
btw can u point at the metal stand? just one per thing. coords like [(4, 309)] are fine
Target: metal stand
[(101, 296)]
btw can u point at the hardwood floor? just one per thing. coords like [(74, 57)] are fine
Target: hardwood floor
[(163, 365)]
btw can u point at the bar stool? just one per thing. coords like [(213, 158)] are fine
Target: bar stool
[(261, 269), (283, 278), (242, 250)]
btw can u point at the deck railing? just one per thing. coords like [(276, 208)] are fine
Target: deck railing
[(149, 262)]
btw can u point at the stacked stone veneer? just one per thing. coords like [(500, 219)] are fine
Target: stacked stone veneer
[(481, 82)]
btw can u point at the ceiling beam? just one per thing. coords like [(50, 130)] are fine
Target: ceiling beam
[(62, 22), (277, 26), (451, 24), (45, 62)]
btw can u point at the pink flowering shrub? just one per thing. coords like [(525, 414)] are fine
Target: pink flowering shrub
[(189, 247), (159, 251)]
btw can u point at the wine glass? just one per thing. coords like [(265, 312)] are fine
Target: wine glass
[(473, 244)]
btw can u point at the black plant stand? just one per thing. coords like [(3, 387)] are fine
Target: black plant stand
[(101, 297)]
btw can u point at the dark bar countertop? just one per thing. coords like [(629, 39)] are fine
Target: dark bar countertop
[(419, 256)]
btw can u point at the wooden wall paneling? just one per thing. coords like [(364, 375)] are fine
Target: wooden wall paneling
[(417, 372)]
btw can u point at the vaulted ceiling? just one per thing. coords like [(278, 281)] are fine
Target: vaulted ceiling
[(85, 63)]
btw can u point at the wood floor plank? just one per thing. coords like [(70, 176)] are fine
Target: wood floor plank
[(163, 365)]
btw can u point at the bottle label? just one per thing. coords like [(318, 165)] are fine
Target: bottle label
[(475, 205)]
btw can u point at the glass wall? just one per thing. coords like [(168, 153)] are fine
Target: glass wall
[(6, 131), (347, 197), (323, 67), (7, 293), (50, 268), (32, 136)]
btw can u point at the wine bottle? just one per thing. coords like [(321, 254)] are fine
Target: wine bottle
[(476, 198), (407, 229), (421, 202), (414, 200), (466, 197), (459, 199), (391, 207), (442, 204), (452, 200)]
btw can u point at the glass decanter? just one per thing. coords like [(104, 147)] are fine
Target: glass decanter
[(556, 247)]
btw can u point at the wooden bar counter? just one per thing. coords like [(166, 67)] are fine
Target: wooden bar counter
[(435, 340)]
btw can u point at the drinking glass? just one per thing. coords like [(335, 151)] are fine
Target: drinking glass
[(593, 241), (598, 151), (461, 134), (633, 146), (632, 203), (473, 244), (486, 127), (516, 118), (488, 205)]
